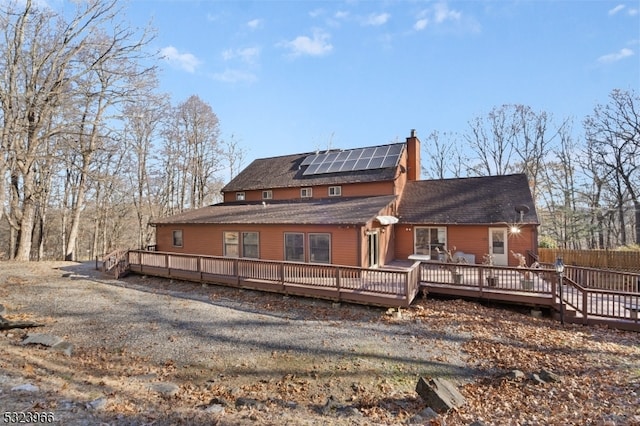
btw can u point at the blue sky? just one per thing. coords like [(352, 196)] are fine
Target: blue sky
[(294, 76)]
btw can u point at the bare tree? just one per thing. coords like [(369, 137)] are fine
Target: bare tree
[(491, 138), (191, 155), (52, 63), (613, 130), (444, 157)]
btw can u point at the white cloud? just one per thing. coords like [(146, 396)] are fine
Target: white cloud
[(248, 54), (377, 19), (620, 8), (341, 14), (616, 9), (234, 76), (442, 13), (254, 24), (185, 61), (302, 45), (421, 24), (613, 57)]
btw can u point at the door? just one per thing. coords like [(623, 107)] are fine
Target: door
[(373, 248), (498, 246)]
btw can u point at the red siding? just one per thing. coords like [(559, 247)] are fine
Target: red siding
[(206, 239), (320, 191), (472, 239)]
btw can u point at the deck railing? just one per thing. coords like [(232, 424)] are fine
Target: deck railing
[(392, 287), (587, 304)]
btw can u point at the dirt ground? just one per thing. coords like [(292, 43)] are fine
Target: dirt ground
[(596, 371)]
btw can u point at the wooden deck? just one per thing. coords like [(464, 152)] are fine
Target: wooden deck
[(388, 287), (583, 302), (397, 285)]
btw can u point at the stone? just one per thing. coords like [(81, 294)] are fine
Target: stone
[(48, 340), (165, 388), (97, 404), (3, 310), (64, 347), (536, 378), (549, 376), (215, 409), (27, 387), (439, 394), (424, 417), (514, 375), (249, 403), (219, 401)]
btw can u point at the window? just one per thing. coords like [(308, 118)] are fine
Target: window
[(250, 244), (294, 247), (231, 244), (320, 248), (428, 239), (177, 238), (305, 192), (239, 196), (335, 191), (267, 195)]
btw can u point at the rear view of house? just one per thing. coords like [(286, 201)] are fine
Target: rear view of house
[(360, 207)]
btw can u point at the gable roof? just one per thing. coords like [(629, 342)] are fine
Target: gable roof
[(476, 200), (287, 171), (326, 211)]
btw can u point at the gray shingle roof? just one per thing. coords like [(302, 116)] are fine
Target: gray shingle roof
[(286, 172), (476, 200), (328, 211)]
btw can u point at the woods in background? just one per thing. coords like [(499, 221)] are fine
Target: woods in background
[(91, 151)]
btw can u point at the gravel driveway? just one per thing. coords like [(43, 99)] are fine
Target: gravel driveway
[(213, 338)]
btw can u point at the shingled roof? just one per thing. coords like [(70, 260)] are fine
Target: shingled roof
[(287, 171), (328, 211), (476, 200)]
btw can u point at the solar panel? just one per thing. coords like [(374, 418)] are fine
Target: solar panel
[(356, 159)]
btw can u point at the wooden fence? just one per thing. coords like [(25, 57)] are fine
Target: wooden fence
[(603, 259)]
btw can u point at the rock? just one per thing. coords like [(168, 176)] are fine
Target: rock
[(514, 375), (424, 417), (3, 310), (331, 404), (219, 401), (48, 340), (64, 347), (477, 423), (249, 403), (97, 404), (439, 394), (549, 376), (165, 388), (536, 378), (215, 409), (27, 387)]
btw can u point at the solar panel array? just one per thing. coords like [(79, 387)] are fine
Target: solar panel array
[(377, 157)]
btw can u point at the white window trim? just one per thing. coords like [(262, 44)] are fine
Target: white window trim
[(439, 228), (267, 194), (306, 192), (240, 196), (337, 191)]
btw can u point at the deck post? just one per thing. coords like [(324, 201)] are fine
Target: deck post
[(337, 271), (480, 279), (584, 306)]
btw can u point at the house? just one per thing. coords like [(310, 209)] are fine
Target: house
[(358, 207)]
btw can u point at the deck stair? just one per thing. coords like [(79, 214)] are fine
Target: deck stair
[(116, 263)]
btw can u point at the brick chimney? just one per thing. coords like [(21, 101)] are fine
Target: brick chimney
[(413, 156)]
